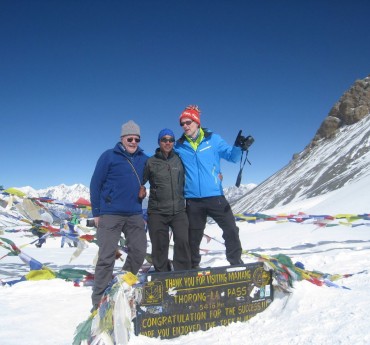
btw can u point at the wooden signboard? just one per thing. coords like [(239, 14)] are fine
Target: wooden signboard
[(180, 302)]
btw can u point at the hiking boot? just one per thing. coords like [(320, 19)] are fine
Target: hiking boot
[(95, 307), (170, 266)]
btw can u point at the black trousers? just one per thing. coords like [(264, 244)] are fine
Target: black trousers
[(159, 226), (219, 209)]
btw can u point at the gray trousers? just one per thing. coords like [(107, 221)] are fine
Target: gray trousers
[(108, 235)]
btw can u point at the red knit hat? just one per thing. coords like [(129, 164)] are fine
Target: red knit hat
[(191, 112)]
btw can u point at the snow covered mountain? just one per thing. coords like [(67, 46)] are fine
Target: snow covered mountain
[(62, 192), (338, 155), (72, 193)]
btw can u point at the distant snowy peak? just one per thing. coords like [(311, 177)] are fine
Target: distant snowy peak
[(331, 161), (29, 191), (72, 193), (61, 192), (67, 193), (64, 193)]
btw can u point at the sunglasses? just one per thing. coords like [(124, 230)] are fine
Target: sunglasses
[(166, 140), (130, 140), (188, 123)]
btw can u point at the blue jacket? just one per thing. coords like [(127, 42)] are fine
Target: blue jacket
[(114, 186), (202, 166)]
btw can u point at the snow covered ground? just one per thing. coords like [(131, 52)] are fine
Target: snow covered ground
[(48, 311)]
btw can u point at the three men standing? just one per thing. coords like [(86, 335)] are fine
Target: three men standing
[(119, 176)]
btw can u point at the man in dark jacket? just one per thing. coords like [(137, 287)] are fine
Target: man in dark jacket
[(166, 207), (116, 207)]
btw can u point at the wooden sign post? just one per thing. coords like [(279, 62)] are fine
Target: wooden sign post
[(180, 302)]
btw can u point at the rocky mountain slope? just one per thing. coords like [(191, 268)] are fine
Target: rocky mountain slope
[(338, 154), (233, 193)]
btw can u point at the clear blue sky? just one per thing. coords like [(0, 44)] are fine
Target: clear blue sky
[(72, 72)]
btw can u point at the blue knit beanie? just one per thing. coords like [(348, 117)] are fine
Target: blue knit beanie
[(164, 132)]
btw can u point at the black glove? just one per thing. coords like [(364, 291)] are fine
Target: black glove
[(243, 142), (237, 140)]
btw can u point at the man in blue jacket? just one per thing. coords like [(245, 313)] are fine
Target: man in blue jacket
[(117, 207), (201, 151)]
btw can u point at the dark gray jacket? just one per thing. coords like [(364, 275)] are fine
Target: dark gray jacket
[(166, 178)]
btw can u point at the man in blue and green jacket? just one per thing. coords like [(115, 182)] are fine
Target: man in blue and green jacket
[(201, 151)]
